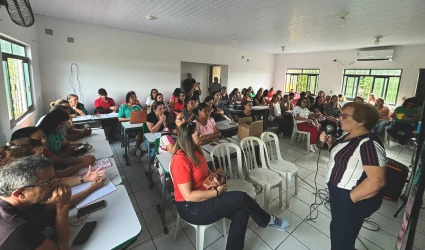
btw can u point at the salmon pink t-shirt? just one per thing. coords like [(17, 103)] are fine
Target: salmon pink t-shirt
[(184, 170), (207, 129)]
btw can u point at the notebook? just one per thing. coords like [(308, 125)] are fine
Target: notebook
[(108, 188), (106, 163)]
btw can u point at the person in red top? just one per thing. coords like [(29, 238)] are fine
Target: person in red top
[(106, 105), (179, 104), (272, 91), (199, 206)]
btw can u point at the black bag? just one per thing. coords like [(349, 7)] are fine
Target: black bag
[(396, 179)]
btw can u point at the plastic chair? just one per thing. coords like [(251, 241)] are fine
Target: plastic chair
[(262, 176), (295, 131), (276, 163), (200, 229), (222, 153)]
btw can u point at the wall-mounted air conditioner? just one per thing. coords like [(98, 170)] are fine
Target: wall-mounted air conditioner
[(375, 55)]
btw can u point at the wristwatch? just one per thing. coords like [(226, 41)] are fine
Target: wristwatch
[(81, 179)]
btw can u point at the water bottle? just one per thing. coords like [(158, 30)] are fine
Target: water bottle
[(418, 129)]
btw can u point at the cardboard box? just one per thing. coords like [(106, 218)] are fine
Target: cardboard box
[(249, 128)]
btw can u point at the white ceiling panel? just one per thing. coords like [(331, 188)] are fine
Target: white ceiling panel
[(261, 25)]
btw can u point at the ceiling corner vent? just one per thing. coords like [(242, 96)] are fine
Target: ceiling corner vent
[(48, 32)]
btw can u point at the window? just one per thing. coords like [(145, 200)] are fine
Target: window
[(384, 83), (302, 80), (16, 73)]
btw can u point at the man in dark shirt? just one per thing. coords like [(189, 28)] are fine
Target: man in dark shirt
[(24, 184), (189, 86)]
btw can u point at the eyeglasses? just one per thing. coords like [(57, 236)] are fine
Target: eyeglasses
[(345, 116), (46, 183)]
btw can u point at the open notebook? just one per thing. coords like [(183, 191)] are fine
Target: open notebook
[(108, 188)]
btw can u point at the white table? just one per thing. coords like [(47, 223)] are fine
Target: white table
[(225, 125), (96, 136), (113, 173), (85, 118), (108, 116), (116, 224), (150, 138), (126, 128), (100, 150), (209, 146)]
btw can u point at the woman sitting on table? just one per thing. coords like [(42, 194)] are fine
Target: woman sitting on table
[(174, 97), (51, 125), (276, 116), (224, 94), (259, 99), (69, 131), (189, 112), (206, 125), (247, 111), (124, 116), (355, 174), (307, 122), (385, 118), (20, 148), (199, 206), (405, 119), (76, 108), (135, 97), (179, 103), (72, 164), (151, 99)]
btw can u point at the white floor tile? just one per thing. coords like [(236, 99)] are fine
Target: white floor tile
[(291, 243), (272, 237), (379, 238), (303, 172), (131, 171), (153, 221), (147, 198), (134, 202), (311, 237), (147, 245), (211, 234), (282, 213), (144, 235), (321, 223), (166, 242), (360, 245), (138, 182)]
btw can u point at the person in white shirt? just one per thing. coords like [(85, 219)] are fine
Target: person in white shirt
[(277, 116), (151, 99), (306, 122)]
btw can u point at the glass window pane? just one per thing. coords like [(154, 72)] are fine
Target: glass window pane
[(378, 87), (17, 86), (6, 46), (357, 72), (288, 83), (312, 85), (28, 84), (310, 71), (18, 50), (7, 87), (392, 91), (350, 87), (295, 71), (386, 72), (302, 83), (365, 86)]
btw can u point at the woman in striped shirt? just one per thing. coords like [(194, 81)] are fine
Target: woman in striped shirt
[(355, 174)]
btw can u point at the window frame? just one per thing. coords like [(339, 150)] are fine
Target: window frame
[(344, 82), (309, 75), (24, 59)]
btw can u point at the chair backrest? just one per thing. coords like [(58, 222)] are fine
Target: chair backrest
[(271, 143), (222, 153), (157, 141), (295, 123), (248, 145)]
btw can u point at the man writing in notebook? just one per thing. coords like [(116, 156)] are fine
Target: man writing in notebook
[(25, 184)]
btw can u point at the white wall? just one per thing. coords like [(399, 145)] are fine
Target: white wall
[(409, 58), (26, 36), (119, 61), (199, 72)]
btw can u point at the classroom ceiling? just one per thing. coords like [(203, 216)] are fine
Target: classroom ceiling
[(260, 25)]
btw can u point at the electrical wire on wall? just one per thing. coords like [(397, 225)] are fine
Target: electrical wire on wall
[(344, 64), (71, 77)]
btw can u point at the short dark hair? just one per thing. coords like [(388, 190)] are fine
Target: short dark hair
[(171, 121), (102, 92), (364, 112), (155, 105), (301, 100), (24, 132), (410, 100), (51, 121), (246, 102), (215, 92), (177, 91), (292, 94), (208, 99), (200, 107), (302, 94)]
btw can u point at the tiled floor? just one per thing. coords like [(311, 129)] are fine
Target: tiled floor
[(303, 234)]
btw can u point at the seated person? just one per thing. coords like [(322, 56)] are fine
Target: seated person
[(104, 104), (307, 122), (286, 104), (179, 103), (21, 148), (302, 94), (322, 94), (271, 93), (206, 125), (328, 99), (266, 96), (224, 94), (405, 118), (135, 97), (342, 100), (385, 118), (157, 120), (247, 111), (235, 95), (276, 115), (333, 110), (51, 125), (259, 99), (151, 98), (311, 100), (174, 97), (318, 107), (189, 112), (217, 108), (199, 206), (75, 163), (76, 108), (124, 116), (358, 99), (371, 99), (22, 199), (166, 143), (68, 130), (292, 98)]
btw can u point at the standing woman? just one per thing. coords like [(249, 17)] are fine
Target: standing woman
[(124, 116), (179, 103), (151, 99), (199, 206), (355, 174), (307, 122), (77, 108), (206, 125), (385, 118)]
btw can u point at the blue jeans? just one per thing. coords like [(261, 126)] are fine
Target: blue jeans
[(380, 126)]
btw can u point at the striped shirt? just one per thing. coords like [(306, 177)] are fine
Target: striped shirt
[(347, 158)]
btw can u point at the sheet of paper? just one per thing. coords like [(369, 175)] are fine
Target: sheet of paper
[(108, 188), (106, 163)]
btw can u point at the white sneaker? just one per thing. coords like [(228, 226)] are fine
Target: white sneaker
[(312, 149), (315, 147)]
